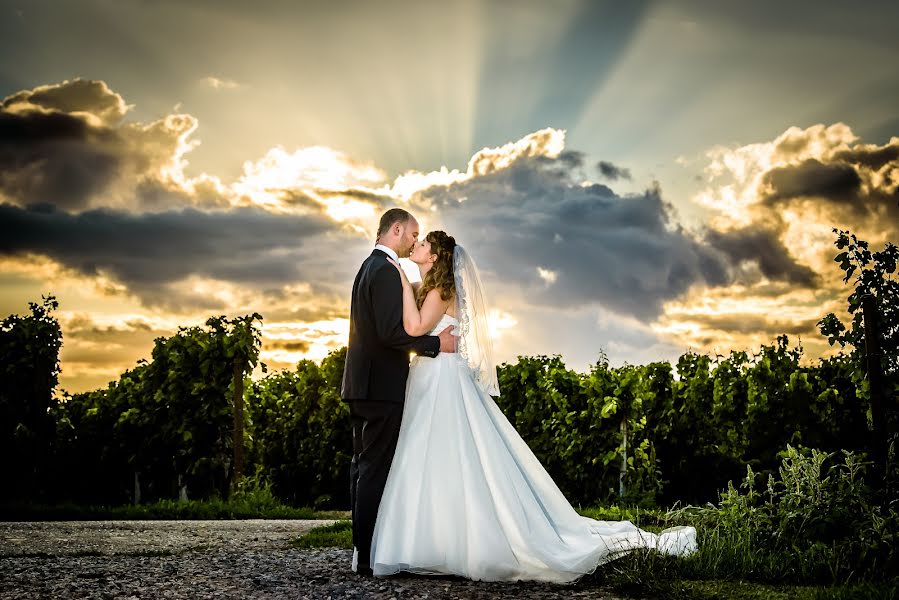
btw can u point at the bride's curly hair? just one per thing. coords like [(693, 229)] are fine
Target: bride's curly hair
[(440, 275)]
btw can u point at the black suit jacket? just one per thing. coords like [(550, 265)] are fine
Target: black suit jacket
[(377, 359)]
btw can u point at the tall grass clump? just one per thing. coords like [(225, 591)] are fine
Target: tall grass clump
[(817, 522)]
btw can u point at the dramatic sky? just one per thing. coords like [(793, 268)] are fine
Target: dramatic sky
[(636, 178)]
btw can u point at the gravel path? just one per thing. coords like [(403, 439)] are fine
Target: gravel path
[(211, 559)]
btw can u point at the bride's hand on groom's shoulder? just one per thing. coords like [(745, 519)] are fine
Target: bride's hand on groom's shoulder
[(400, 269)]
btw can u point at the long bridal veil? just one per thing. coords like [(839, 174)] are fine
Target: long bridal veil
[(475, 347)]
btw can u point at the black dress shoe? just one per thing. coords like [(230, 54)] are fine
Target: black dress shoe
[(364, 571)]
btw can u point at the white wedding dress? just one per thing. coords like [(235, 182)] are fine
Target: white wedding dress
[(466, 496)]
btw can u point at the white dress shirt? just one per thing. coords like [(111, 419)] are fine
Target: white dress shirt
[(388, 251)]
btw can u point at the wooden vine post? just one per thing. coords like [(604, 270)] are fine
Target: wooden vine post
[(238, 421), (874, 370), (622, 471)]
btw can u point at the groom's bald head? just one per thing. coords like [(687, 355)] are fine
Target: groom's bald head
[(398, 230), (392, 216)]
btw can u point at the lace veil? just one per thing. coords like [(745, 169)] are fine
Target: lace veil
[(475, 347)]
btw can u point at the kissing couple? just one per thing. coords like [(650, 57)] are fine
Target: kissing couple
[(440, 482)]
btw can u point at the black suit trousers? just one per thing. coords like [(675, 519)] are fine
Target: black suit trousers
[(376, 428)]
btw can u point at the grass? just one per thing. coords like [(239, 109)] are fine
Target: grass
[(252, 500), (705, 576), (730, 564), (649, 519), (239, 508), (336, 535)]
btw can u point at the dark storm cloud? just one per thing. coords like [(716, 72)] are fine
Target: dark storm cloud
[(149, 251), (872, 157), (751, 324), (289, 345), (880, 200), (763, 247), (612, 172), (854, 187), (622, 252), (379, 202), (55, 157), (299, 198), (65, 144), (85, 328), (812, 178), (571, 158)]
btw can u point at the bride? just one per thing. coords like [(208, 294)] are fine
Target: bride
[(465, 495)]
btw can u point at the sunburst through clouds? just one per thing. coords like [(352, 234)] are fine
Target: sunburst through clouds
[(615, 192)]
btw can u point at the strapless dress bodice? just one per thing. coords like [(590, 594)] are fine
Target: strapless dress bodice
[(445, 321)]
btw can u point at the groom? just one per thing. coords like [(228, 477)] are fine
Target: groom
[(374, 378)]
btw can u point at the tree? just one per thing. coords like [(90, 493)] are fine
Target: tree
[(875, 279), (29, 373), (873, 335)]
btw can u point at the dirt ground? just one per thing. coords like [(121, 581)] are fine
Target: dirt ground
[(211, 559)]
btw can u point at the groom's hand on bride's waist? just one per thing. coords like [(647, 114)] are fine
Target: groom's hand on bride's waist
[(448, 341)]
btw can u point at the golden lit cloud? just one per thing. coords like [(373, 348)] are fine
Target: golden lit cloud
[(546, 142), (313, 180), (312, 168), (742, 179), (743, 318), (795, 188), (313, 340), (218, 83), (91, 100)]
